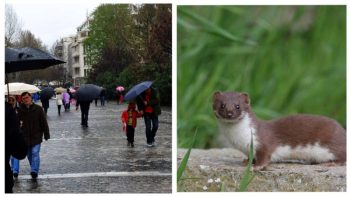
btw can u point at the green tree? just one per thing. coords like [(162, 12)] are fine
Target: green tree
[(110, 28), (131, 43)]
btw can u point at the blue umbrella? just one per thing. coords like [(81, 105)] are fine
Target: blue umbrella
[(137, 90)]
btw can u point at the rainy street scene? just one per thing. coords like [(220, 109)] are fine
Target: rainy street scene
[(97, 159), (88, 96)]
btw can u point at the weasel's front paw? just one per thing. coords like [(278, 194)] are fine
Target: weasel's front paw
[(258, 168), (245, 162)]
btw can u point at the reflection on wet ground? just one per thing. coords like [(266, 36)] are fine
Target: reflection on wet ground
[(96, 159)]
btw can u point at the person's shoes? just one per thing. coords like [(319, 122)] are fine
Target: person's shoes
[(15, 175), (132, 145), (129, 144), (34, 175), (149, 144)]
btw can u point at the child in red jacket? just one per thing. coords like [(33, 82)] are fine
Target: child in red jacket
[(129, 121)]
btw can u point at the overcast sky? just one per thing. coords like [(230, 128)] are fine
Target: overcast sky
[(52, 21)]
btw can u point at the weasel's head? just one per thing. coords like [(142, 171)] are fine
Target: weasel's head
[(230, 106)]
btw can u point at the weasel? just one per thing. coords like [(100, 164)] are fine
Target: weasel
[(310, 138)]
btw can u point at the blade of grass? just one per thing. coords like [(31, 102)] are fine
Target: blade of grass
[(184, 161), (214, 29), (222, 187), (248, 174)]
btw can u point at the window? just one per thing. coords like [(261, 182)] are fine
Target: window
[(77, 71), (83, 34), (86, 48), (76, 59)]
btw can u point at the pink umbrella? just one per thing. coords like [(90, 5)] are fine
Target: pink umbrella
[(120, 88), (72, 90)]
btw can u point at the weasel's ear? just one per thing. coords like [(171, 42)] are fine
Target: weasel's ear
[(246, 98), (216, 94)]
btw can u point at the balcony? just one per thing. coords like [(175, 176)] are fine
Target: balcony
[(76, 65)]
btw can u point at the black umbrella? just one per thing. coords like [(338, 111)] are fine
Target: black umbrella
[(88, 92), (46, 93), (21, 59), (137, 90)]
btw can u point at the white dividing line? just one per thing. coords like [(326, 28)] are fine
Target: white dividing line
[(96, 174), (94, 138)]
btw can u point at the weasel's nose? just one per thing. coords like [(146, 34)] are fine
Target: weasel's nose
[(230, 114)]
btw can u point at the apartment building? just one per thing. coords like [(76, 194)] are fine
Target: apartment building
[(71, 50)]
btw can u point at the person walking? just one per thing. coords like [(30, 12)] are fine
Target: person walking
[(70, 97), (118, 94), (84, 108), (96, 102), (149, 105), (59, 102), (45, 104), (103, 97), (66, 100), (35, 97), (34, 125), (129, 121), (14, 144), (14, 161)]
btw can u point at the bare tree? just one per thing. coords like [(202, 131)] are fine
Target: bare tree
[(12, 26), (28, 39)]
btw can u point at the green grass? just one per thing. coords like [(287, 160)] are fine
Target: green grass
[(289, 60), (183, 163), (248, 174)]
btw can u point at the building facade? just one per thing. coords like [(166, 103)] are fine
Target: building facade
[(71, 50)]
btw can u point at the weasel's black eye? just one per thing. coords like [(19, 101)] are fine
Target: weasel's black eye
[(237, 107), (222, 106)]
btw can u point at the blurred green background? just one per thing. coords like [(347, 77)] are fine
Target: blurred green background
[(290, 59)]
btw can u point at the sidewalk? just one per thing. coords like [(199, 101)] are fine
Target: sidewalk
[(97, 159)]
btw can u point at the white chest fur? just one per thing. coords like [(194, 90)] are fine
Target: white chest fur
[(239, 133)]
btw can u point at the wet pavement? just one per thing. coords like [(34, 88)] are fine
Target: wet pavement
[(96, 159)]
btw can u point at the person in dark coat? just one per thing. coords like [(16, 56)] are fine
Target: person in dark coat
[(148, 103), (45, 104), (14, 144), (35, 127), (96, 101), (84, 108), (103, 97), (118, 94), (14, 161)]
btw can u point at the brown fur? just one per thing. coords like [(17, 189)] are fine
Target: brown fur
[(294, 130)]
